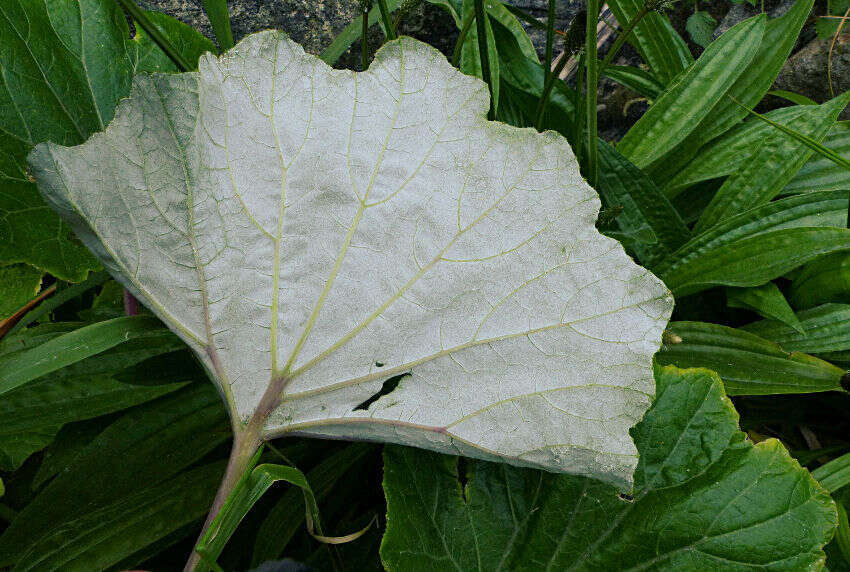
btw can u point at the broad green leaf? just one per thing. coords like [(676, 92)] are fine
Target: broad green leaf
[(145, 447), (691, 97), (705, 499), (748, 364), (190, 43), (278, 190), (64, 64), (100, 539), (645, 210), (19, 368), (772, 164), (658, 44), (780, 36), (823, 280), (766, 300), (700, 26), (821, 173), (827, 330), (19, 284), (219, 17)]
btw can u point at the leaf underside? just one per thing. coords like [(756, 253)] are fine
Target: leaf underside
[(328, 231)]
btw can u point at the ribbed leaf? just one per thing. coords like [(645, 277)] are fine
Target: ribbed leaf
[(636, 79), (645, 210), (146, 446), (779, 38), (748, 364), (772, 163), (823, 280), (821, 173), (766, 300), (658, 44), (691, 97), (827, 330)]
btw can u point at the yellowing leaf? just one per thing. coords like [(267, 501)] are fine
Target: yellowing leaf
[(317, 235)]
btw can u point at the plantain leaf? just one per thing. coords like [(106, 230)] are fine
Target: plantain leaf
[(772, 164), (314, 234), (688, 100), (184, 38), (766, 300), (823, 280), (704, 499), (822, 173), (748, 364), (700, 26), (827, 330)]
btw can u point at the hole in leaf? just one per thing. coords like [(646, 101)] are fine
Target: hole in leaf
[(388, 387), (625, 497), (379, 364)]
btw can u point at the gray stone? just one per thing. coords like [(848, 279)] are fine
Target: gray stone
[(806, 71)]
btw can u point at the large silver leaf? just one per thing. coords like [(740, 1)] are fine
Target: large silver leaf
[(319, 231)]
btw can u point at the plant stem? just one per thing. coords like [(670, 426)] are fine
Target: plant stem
[(142, 20), (571, 46), (389, 30), (591, 87), (622, 37), (247, 439), (578, 124), (461, 38), (484, 54), (364, 39), (547, 64)]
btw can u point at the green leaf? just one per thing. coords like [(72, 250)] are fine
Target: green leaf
[(646, 211), (19, 284), (827, 330), (512, 261), (19, 368), (470, 59), (834, 474), (797, 98), (780, 36), (766, 300), (190, 43), (60, 82), (287, 516), (658, 44), (821, 173), (147, 446), (62, 295), (755, 260), (352, 32), (636, 79), (772, 164), (725, 154), (689, 99), (700, 26), (705, 499), (823, 280), (220, 19), (748, 364), (102, 538)]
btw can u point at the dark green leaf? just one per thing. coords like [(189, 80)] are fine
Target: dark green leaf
[(220, 19), (827, 330), (766, 300), (748, 364), (646, 212), (821, 173), (635, 79), (823, 280), (658, 44), (834, 474), (19, 368), (700, 27), (147, 446), (772, 164), (705, 499), (19, 283), (184, 38), (687, 101)]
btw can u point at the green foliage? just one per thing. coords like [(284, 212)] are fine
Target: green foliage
[(686, 512), (113, 441)]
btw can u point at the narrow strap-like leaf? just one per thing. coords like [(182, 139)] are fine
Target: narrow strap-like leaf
[(220, 19)]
